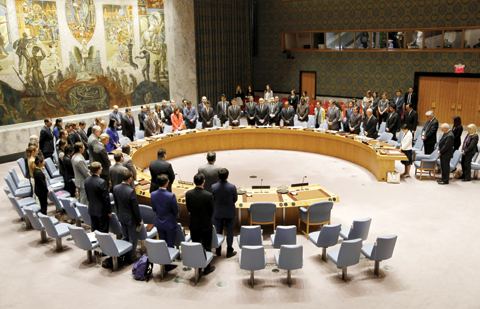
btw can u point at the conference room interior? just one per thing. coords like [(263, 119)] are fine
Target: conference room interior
[(336, 53)]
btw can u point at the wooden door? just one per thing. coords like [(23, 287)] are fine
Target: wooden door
[(468, 103), (307, 83)]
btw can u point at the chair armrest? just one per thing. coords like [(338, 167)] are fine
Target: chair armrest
[(303, 209)]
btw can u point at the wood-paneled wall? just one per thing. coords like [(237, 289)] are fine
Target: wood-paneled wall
[(448, 97)]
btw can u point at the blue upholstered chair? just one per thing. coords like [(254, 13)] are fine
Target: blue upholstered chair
[(83, 209), (428, 164), (359, 229), (418, 148), (194, 256), (326, 237), (284, 235), (347, 255), (53, 230), (289, 258), (167, 129), (72, 212), (144, 235), (6, 189), (23, 167), (81, 240), (324, 125), (380, 250), (31, 213), (52, 169), (19, 208), (457, 155), (382, 128), (147, 214), (18, 183), (385, 137), (250, 236), (262, 213), (252, 258), (180, 236), (124, 140), (15, 191), (56, 200), (159, 253), (113, 247), (398, 143), (114, 226), (317, 214), (217, 239)]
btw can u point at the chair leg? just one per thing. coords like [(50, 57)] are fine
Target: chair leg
[(28, 224), (115, 263), (197, 275), (143, 248), (78, 223), (59, 244), (162, 271), (89, 256), (252, 278), (289, 277), (377, 268), (324, 254), (43, 236), (344, 273), (119, 236)]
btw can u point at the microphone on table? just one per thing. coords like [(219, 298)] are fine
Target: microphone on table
[(179, 178), (261, 185), (301, 189)]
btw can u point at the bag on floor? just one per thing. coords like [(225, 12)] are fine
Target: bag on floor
[(457, 174), (393, 177), (142, 269), (107, 263)]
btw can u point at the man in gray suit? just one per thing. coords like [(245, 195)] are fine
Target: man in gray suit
[(127, 162), (93, 139), (222, 108), (150, 126), (288, 115), (207, 116), (334, 117), (100, 155), (210, 170), (234, 114), (272, 112), (355, 121), (80, 170), (116, 170)]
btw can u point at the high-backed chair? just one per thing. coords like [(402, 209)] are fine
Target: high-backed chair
[(347, 255), (252, 258), (385, 136), (23, 167), (144, 235), (382, 128), (250, 236), (194, 256), (18, 183), (380, 250), (317, 214), (115, 226), (56, 231), (167, 129), (398, 143), (284, 235), (262, 213), (113, 247), (217, 239), (140, 134), (6, 189), (418, 148), (326, 237), (289, 258), (17, 192), (159, 253), (51, 168), (418, 135), (36, 223), (81, 240), (124, 140), (56, 200), (457, 155), (72, 212), (428, 164), (147, 214), (180, 236), (324, 125), (19, 209), (83, 209), (359, 229)]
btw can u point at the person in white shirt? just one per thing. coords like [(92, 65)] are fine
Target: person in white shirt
[(406, 148), (268, 94)]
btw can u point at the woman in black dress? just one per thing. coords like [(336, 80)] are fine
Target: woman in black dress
[(41, 189), (457, 132)]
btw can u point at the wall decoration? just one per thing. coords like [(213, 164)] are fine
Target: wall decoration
[(6, 48), (80, 16)]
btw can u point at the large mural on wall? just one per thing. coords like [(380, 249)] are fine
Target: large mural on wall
[(34, 81)]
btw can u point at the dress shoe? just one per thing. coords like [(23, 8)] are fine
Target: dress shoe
[(465, 179), (231, 253), (170, 267), (218, 251), (461, 177), (206, 271), (442, 183)]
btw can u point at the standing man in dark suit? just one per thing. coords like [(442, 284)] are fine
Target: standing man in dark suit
[(225, 196), (261, 113), (279, 110), (69, 173), (445, 151), (370, 125), (47, 143), (142, 116), (222, 110), (190, 116), (100, 155), (302, 111), (469, 148), (95, 123), (169, 112), (411, 97), (429, 134), (158, 167), (288, 115), (73, 136), (200, 107), (250, 111), (272, 112), (234, 114), (293, 100), (411, 118), (128, 124), (355, 121), (165, 205), (98, 199), (392, 121), (207, 116), (116, 170), (210, 171), (128, 213), (150, 126), (200, 205), (399, 101)]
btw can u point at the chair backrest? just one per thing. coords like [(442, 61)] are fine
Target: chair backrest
[(147, 214), (23, 167), (124, 140), (48, 224), (349, 253), (263, 211), (140, 134), (14, 176), (457, 155), (167, 129), (115, 226), (80, 237), (438, 140), (6, 189), (50, 166), (252, 258), (53, 197), (83, 209), (320, 211), (324, 125), (328, 236), (250, 236), (193, 254), (475, 156), (392, 142), (179, 235), (15, 205), (385, 137), (157, 251), (383, 249), (290, 257), (400, 135), (214, 238), (433, 156), (360, 229), (285, 235), (69, 209), (107, 244), (383, 126), (32, 216), (11, 185), (418, 135)]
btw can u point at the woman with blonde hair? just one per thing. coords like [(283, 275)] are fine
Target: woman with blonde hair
[(469, 149)]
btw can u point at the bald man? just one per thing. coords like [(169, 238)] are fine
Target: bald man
[(445, 151)]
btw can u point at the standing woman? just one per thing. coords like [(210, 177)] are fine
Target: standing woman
[(58, 127), (468, 150), (457, 132), (159, 116), (112, 132), (406, 148), (367, 97), (268, 94), (304, 96), (177, 119), (374, 105), (239, 95), (383, 105), (250, 92), (293, 100), (41, 189)]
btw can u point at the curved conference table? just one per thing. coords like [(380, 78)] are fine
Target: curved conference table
[(344, 146)]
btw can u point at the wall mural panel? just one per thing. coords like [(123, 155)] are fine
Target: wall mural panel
[(38, 81)]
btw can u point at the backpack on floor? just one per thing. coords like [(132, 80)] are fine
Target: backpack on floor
[(142, 269)]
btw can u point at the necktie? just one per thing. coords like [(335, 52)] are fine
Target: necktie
[(409, 97), (153, 124), (130, 119), (224, 110), (234, 109)]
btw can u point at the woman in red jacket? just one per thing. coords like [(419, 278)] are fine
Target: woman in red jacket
[(177, 119)]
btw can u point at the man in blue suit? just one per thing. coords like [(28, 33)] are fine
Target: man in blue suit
[(225, 196), (165, 206)]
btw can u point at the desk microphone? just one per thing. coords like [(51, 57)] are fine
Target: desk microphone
[(261, 185), (303, 181), (179, 178)]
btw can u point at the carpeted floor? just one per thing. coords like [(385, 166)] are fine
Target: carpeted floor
[(433, 265)]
